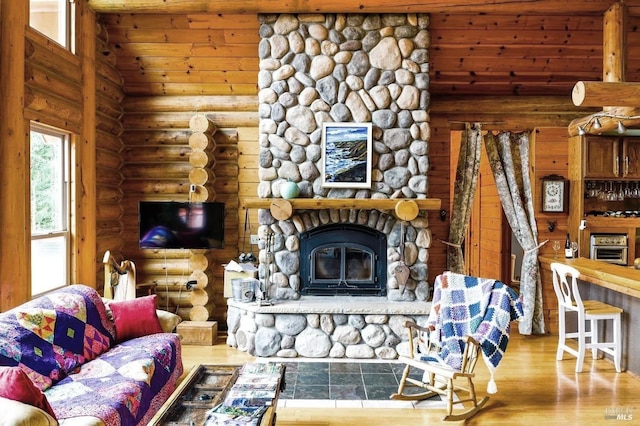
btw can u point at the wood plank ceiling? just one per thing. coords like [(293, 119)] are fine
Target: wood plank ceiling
[(471, 53)]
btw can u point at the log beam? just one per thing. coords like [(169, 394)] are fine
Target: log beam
[(596, 93), (539, 7)]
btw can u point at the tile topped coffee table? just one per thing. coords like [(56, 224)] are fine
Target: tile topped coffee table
[(209, 386)]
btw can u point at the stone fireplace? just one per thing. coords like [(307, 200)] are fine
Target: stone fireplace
[(360, 68)]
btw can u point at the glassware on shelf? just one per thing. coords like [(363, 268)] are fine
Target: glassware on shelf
[(557, 245)]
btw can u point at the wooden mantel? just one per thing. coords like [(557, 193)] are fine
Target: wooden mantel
[(405, 208)]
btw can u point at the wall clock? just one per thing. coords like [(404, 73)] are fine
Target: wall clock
[(554, 194)]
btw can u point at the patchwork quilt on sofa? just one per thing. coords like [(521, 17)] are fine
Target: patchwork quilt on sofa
[(65, 342)]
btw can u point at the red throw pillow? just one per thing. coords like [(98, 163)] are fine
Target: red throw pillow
[(15, 385), (135, 317)]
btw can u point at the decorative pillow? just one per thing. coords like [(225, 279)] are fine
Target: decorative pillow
[(135, 317), (15, 385), (168, 321)]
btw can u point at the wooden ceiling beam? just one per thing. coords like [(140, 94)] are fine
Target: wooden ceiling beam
[(614, 54), (534, 7), (597, 93)]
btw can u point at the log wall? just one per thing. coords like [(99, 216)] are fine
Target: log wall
[(158, 167)]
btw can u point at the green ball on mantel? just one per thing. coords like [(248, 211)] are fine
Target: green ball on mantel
[(289, 190)]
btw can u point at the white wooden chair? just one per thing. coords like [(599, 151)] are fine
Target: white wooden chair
[(565, 284)]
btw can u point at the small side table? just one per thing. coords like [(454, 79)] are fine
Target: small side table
[(198, 332)]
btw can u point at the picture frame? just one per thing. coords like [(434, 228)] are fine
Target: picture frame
[(346, 155), (555, 194)]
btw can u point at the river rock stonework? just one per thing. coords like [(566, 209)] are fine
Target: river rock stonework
[(344, 68), (360, 68)]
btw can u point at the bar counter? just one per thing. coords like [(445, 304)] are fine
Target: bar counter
[(623, 279)]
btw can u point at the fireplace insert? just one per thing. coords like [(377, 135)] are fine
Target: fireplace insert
[(343, 259)]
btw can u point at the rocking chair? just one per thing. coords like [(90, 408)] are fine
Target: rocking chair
[(457, 332)]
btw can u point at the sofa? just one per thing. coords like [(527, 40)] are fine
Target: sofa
[(69, 358)]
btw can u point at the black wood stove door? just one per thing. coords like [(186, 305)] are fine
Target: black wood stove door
[(343, 259)]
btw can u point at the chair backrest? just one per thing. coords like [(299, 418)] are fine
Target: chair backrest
[(119, 278), (565, 284)]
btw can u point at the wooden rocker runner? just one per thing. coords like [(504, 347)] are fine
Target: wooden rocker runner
[(440, 379)]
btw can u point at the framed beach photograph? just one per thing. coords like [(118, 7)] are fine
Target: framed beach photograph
[(346, 155)]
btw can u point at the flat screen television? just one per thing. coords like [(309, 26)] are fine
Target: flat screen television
[(181, 225)]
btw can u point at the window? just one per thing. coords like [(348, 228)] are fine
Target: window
[(54, 19), (50, 209)]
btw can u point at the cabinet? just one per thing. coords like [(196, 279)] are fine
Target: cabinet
[(610, 157)]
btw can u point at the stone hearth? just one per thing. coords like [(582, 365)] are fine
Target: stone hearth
[(321, 327)]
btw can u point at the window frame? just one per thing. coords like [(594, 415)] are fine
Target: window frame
[(66, 230), (66, 24)]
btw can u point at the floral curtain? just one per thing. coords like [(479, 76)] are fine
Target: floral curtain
[(464, 190), (509, 159)]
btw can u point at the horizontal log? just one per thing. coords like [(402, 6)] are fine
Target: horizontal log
[(213, 89), (161, 153), (108, 142), (48, 119), (180, 120), (227, 137), (200, 123), (202, 176), (108, 194), (202, 312), (539, 7), (202, 141), (173, 298), (202, 159), (179, 171), (107, 71), (135, 63), (203, 278), (499, 105), (49, 104), (108, 107), (109, 89), (108, 228), (158, 187), (114, 243), (108, 159), (226, 153), (106, 53), (199, 262), (206, 192), (48, 80), (108, 211), (106, 176), (608, 121), (160, 266), (190, 103), (149, 138), (201, 296), (597, 93), (39, 50), (108, 124)]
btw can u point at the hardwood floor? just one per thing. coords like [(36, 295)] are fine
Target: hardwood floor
[(533, 389)]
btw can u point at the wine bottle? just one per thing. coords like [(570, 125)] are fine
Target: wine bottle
[(568, 251)]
